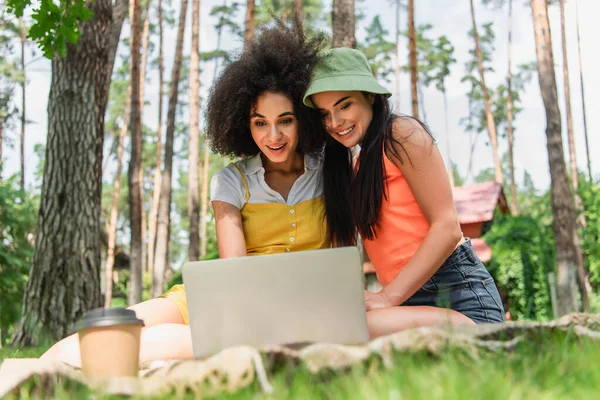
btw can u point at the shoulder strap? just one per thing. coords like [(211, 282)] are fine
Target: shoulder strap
[(243, 180)]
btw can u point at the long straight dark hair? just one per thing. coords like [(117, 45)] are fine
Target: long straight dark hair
[(353, 201)]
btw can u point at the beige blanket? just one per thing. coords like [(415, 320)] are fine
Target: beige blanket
[(238, 367)]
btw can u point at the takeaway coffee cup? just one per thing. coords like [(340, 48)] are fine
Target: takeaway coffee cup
[(109, 342)]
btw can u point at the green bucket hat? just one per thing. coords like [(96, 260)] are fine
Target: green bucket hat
[(342, 68)]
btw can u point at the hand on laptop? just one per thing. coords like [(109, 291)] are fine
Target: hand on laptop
[(376, 300)]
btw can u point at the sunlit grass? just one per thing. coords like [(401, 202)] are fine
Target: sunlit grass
[(546, 366)]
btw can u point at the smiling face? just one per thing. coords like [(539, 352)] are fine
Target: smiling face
[(346, 114), (274, 126)]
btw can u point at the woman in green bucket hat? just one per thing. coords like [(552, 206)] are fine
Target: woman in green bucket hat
[(399, 199)]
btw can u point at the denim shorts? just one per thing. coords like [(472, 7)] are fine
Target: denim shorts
[(463, 284)]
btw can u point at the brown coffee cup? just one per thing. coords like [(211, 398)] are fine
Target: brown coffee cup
[(109, 342)]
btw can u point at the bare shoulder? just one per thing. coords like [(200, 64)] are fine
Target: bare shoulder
[(407, 130)]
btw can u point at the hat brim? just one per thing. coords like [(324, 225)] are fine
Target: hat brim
[(360, 83)]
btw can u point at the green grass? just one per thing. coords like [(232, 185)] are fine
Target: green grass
[(28, 352), (548, 366)]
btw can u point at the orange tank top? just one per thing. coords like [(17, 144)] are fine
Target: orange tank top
[(402, 226)]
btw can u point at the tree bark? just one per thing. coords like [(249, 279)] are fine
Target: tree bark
[(570, 135), (64, 281), (157, 170), (135, 200), (298, 8), (566, 240), (514, 203), (412, 43), (194, 144), (571, 139), (204, 211), (145, 41), (491, 124), (585, 131), (23, 115), (164, 208), (120, 10), (114, 210), (342, 19), (397, 58), (249, 25)]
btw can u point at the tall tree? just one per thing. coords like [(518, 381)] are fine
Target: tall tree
[(143, 67), (8, 77), (514, 201), (64, 280), (438, 60), (249, 23), (570, 134), (298, 7), (135, 162), (164, 207), (23, 97), (114, 210), (342, 19), (224, 14), (568, 249), (491, 126), (585, 131), (412, 44), (397, 55), (157, 169), (570, 137), (377, 49), (311, 12), (194, 143)]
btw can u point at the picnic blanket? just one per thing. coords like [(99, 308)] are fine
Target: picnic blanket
[(238, 367)]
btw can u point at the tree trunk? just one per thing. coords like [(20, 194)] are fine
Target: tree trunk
[(145, 40), (397, 58), (194, 144), (1, 134), (114, 210), (491, 124), (342, 20), (23, 115), (204, 212), (135, 201), (450, 169), (570, 135), (64, 281), (120, 11), (571, 140), (587, 144), (249, 26), (298, 8), (422, 102), (412, 44), (164, 208), (157, 170), (566, 240), (514, 203)]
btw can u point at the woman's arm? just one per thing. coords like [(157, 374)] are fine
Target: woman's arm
[(426, 175), (230, 232)]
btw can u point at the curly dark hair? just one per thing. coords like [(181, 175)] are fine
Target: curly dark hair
[(279, 60)]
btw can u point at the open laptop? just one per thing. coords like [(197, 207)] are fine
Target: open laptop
[(289, 298)]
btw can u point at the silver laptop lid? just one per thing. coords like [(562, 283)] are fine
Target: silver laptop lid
[(306, 296)]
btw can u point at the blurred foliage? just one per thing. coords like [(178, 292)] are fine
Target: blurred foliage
[(18, 212), (523, 250)]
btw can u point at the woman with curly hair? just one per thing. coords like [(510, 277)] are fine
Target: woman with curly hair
[(266, 202)]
